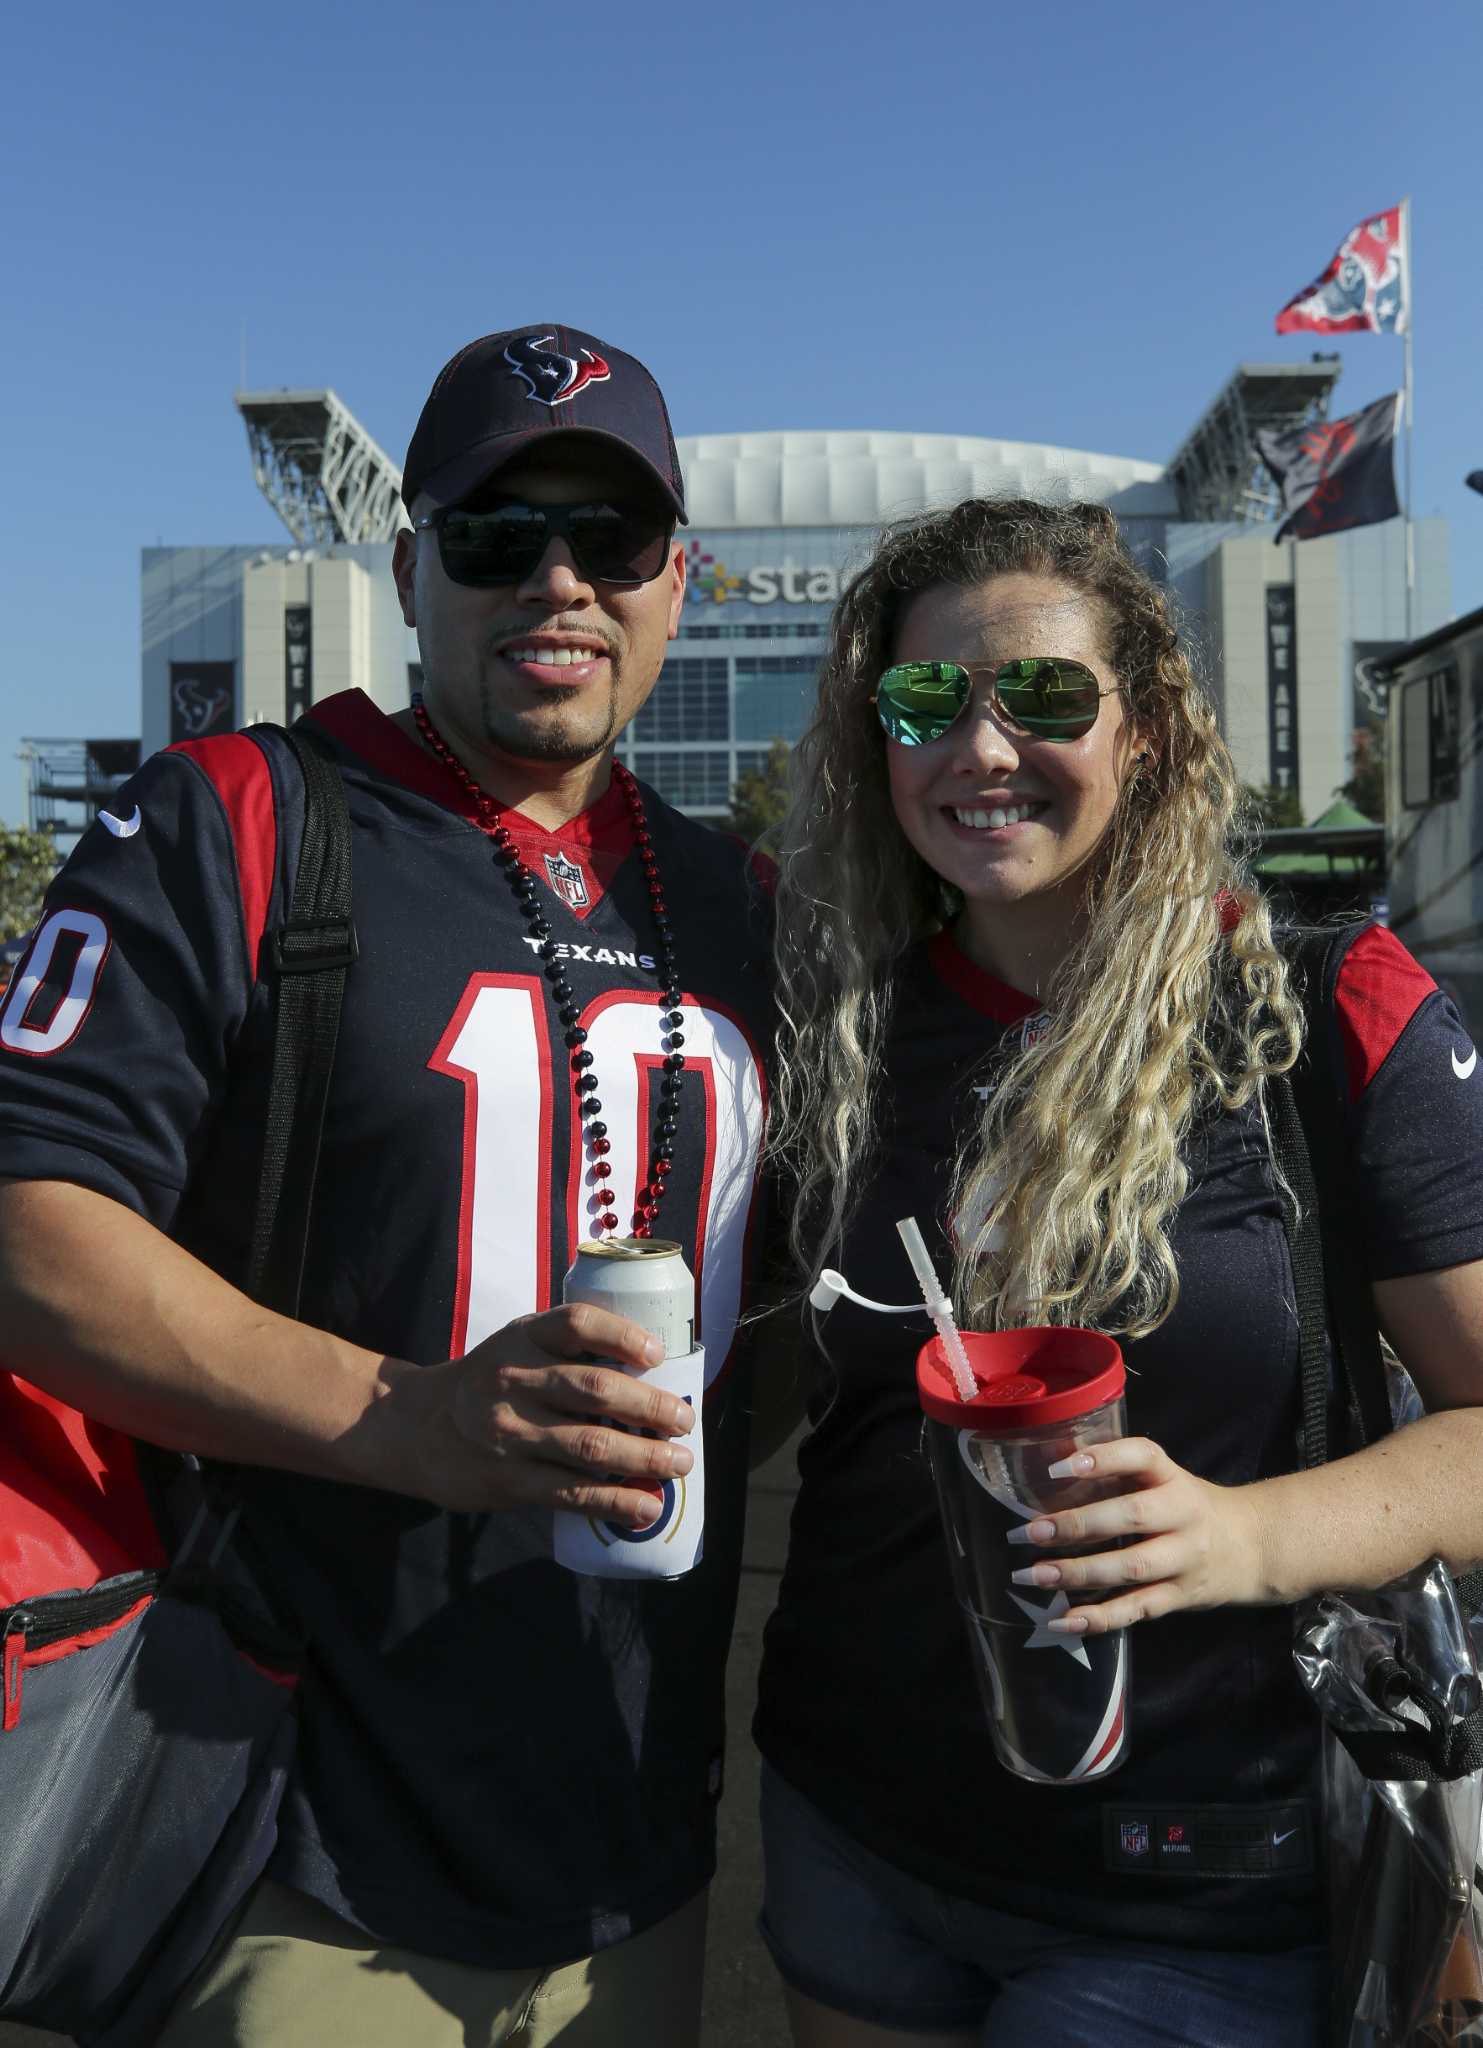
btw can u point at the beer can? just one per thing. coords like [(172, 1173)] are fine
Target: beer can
[(647, 1280), (643, 1278)]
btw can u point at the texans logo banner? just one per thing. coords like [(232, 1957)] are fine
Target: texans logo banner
[(1366, 287), (1336, 473)]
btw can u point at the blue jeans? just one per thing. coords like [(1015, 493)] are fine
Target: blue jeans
[(864, 1938)]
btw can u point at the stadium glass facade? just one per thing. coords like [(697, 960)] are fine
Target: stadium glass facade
[(741, 674)]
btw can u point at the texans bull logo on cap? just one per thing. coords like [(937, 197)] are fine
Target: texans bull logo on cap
[(501, 396), (552, 377)]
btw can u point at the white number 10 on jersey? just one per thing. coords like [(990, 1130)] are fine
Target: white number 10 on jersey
[(500, 1046)]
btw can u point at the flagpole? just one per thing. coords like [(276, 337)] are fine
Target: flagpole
[(1408, 287)]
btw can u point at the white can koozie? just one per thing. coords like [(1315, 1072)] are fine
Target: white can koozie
[(668, 1547)]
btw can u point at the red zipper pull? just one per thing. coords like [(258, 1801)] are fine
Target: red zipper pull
[(13, 1668)]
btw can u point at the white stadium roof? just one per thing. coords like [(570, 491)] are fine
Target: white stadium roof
[(861, 479), (329, 480)]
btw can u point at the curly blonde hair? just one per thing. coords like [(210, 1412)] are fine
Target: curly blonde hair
[(1063, 1195)]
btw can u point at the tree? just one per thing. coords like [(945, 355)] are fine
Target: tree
[(28, 860), (1365, 788), (1272, 808), (759, 800)]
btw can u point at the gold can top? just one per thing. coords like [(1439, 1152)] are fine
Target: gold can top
[(630, 1248)]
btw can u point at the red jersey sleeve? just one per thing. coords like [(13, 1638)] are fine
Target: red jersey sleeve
[(1415, 1092)]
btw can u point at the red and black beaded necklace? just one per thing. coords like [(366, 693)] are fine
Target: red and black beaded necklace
[(526, 889)]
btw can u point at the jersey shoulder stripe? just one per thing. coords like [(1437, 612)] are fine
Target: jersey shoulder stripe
[(363, 729), (238, 771), (764, 870), (1379, 990), (993, 998), (759, 864)]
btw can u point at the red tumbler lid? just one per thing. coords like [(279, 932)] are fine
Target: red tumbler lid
[(1018, 1386), (1025, 1377)]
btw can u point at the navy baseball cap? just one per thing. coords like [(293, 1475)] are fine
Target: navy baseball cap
[(502, 394)]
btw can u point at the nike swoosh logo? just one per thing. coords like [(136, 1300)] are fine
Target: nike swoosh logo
[(125, 828), (1462, 1068), (1278, 1840)]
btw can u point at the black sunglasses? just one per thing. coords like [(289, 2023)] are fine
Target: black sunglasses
[(611, 541), (1042, 697)]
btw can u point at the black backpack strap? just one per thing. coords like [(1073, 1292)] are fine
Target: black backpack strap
[(1305, 1247), (1309, 1110), (197, 1502), (307, 957)]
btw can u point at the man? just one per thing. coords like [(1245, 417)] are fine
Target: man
[(501, 1825)]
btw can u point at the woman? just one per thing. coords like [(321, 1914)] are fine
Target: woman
[(1026, 987)]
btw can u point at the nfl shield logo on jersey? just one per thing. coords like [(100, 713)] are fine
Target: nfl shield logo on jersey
[(1033, 1030), (1135, 1837), (567, 880)]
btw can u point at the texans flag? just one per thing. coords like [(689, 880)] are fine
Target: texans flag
[(1336, 473), (1365, 288)]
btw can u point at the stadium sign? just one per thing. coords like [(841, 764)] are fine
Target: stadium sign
[(785, 582)]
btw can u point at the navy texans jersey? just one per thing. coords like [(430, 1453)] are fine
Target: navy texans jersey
[(500, 1761), (1206, 1834)]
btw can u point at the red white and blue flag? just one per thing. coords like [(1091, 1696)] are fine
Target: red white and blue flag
[(1366, 288)]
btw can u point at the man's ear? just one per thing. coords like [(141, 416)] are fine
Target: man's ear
[(404, 573), (677, 600)]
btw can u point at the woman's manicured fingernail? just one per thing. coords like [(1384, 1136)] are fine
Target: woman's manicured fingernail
[(1074, 1467), (1037, 1575), (1033, 1532), (1068, 1624)]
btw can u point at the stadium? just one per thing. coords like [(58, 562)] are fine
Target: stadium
[(778, 520)]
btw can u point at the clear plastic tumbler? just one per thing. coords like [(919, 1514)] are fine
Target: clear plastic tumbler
[(1057, 1704)]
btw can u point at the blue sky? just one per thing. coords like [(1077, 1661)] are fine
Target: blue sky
[(1059, 224)]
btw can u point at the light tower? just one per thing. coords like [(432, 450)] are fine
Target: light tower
[(319, 469), (1217, 472)]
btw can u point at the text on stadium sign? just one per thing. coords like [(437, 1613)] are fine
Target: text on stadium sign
[(786, 582)]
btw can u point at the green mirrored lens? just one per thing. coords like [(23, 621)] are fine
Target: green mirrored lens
[(1048, 699), (918, 700)]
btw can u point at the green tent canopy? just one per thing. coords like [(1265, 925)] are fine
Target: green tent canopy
[(1341, 842), (1339, 814)]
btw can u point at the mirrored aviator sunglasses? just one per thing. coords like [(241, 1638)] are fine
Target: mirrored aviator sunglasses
[(610, 541), (1041, 697)]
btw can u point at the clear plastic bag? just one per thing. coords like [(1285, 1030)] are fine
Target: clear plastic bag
[(1395, 1675)]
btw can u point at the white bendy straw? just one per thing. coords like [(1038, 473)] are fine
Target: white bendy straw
[(938, 1307)]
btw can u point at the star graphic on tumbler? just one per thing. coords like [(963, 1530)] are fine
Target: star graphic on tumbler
[(1046, 1639)]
